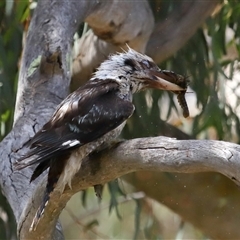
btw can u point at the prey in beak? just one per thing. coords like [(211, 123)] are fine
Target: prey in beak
[(169, 80)]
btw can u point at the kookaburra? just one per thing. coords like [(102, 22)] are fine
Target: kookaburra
[(91, 116)]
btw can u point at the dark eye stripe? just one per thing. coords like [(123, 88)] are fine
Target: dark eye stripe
[(131, 63)]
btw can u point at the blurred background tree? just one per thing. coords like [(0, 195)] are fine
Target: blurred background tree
[(153, 205)]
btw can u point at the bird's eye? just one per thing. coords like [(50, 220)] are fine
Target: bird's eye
[(146, 64)]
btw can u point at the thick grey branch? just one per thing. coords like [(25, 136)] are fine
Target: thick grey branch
[(149, 154), (161, 154)]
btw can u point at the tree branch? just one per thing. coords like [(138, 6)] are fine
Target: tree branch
[(149, 154), (161, 154)]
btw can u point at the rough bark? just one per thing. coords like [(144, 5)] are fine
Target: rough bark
[(149, 154)]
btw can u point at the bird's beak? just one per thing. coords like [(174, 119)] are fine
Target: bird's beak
[(167, 80)]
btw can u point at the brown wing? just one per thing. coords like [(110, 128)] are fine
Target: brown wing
[(83, 116)]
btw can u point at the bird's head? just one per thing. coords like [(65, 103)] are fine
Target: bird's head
[(139, 72)]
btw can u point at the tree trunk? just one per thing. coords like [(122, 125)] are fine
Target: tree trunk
[(43, 83)]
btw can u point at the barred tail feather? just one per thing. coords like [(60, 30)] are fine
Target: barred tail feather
[(55, 172), (40, 212)]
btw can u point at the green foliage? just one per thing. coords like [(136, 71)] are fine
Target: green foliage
[(207, 61), (11, 29), (114, 191)]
